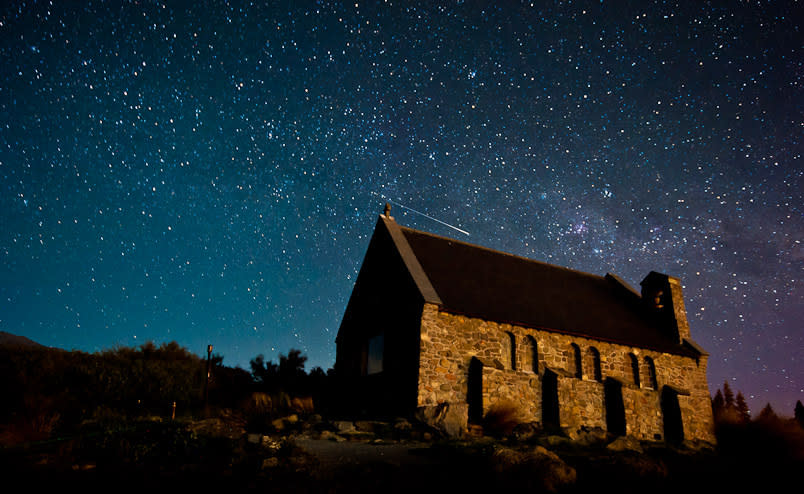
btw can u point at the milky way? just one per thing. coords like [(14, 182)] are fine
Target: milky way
[(211, 172)]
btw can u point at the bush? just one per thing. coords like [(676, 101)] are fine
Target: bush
[(501, 418)]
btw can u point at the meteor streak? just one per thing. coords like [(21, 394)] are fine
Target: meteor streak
[(425, 215)]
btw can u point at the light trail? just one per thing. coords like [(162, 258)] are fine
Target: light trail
[(425, 215)]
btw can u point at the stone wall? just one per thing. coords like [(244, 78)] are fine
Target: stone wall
[(501, 385), (449, 341)]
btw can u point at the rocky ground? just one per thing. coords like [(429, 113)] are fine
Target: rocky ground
[(311, 454)]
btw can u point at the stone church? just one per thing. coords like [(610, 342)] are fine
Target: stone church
[(434, 321)]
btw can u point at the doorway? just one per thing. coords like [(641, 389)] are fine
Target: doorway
[(615, 410), (671, 412), (550, 412)]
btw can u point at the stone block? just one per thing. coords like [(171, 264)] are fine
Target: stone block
[(448, 418)]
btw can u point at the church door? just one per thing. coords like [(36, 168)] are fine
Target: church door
[(550, 413), (615, 411), (671, 412)]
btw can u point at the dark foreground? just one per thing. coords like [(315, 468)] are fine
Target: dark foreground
[(151, 457)]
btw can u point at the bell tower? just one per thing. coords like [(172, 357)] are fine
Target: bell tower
[(664, 299)]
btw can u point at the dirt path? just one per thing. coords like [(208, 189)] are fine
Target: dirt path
[(332, 453)]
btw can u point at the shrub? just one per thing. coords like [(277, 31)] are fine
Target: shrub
[(501, 418)]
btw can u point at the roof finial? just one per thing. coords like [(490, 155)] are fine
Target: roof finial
[(387, 211)]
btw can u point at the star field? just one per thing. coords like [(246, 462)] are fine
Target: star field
[(211, 172)]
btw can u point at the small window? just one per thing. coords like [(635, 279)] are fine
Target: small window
[(651, 372), (596, 370), (576, 366), (534, 354), (509, 350), (376, 348), (634, 368)]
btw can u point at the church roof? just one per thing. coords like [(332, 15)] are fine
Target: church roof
[(476, 281)]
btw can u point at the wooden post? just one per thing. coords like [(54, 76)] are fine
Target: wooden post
[(209, 373)]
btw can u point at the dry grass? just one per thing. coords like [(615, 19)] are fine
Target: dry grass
[(501, 418), (29, 429)]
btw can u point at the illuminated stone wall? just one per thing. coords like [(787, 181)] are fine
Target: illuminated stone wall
[(449, 342)]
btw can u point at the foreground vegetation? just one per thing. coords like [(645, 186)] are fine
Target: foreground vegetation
[(49, 392), (107, 421)]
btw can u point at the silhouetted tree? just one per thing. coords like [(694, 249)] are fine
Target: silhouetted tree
[(291, 367), (265, 374), (741, 407), (728, 395), (767, 414), (718, 404), (229, 386), (798, 413)]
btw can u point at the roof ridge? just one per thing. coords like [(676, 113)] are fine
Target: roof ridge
[(500, 252)]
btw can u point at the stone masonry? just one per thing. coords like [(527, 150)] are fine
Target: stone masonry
[(445, 361)]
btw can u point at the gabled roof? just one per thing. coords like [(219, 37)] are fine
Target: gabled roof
[(476, 281)]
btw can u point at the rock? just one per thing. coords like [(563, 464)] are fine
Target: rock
[(697, 446), (555, 474), (402, 425), (448, 418), (538, 469), (504, 459), (642, 466), (523, 432), (254, 438), (344, 426), (371, 426), (589, 437), (542, 452), (271, 443), (624, 443), (331, 436), (270, 463), (554, 441)]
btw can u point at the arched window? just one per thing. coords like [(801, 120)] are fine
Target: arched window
[(576, 366), (534, 354), (512, 342), (509, 350), (634, 368), (596, 371), (651, 372)]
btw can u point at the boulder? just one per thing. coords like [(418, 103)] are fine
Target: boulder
[(554, 441), (372, 426), (448, 418), (343, 426), (523, 432), (538, 469), (272, 462), (331, 436), (624, 443), (642, 466), (554, 472), (590, 436), (401, 425)]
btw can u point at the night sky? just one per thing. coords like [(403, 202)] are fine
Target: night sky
[(211, 172)]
